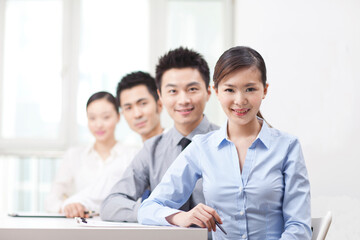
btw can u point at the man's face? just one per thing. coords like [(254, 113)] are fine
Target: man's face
[(184, 95), (141, 111)]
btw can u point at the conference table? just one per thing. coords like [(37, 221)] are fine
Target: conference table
[(21, 228)]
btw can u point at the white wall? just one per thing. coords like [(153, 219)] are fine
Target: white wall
[(312, 49)]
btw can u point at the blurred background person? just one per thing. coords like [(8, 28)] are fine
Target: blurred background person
[(141, 107), (137, 96), (84, 166)]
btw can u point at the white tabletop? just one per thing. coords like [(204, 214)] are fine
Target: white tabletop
[(15, 228)]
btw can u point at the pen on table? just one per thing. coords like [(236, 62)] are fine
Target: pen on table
[(221, 228), (80, 220)]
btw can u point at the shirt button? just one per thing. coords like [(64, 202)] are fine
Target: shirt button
[(240, 188), (241, 213), (243, 236)]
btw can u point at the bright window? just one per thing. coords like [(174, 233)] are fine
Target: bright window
[(56, 53), (112, 44), (31, 100)]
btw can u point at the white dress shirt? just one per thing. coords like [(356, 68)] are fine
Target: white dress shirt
[(86, 178)]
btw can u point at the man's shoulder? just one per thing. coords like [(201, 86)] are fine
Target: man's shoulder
[(206, 137), (208, 129), (213, 127), (153, 141), (151, 144)]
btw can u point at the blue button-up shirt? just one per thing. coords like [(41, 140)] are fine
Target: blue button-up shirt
[(268, 199)]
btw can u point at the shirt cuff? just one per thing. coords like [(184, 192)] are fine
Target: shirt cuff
[(164, 213)]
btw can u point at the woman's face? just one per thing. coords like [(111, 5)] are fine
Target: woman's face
[(240, 95), (102, 119)]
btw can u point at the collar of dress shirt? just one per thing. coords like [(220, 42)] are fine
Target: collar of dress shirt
[(90, 148), (264, 135), (200, 129), (116, 150)]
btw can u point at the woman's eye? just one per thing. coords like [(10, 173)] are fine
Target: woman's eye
[(229, 90), (250, 89)]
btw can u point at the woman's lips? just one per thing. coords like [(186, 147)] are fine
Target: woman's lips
[(241, 112)]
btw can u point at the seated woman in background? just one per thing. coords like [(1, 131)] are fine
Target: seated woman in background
[(255, 180), (93, 168)]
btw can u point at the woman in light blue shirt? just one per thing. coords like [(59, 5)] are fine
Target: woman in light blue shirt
[(255, 180)]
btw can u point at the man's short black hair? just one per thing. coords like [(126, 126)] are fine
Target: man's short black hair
[(182, 58), (134, 79)]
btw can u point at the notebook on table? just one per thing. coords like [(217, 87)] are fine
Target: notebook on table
[(37, 214)]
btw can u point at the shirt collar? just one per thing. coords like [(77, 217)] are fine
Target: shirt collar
[(264, 135), (115, 151), (221, 135), (90, 148), (200, 129)]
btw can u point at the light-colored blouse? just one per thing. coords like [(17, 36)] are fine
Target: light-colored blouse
[(269, 199), (84, 177)]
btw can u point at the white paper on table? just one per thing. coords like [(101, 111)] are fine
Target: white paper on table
[(98, 223), (37, 214)]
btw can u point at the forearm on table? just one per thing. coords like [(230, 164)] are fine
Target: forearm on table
[(119, 208)]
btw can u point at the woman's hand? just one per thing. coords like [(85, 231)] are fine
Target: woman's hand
[(75, 210), (201, 215)]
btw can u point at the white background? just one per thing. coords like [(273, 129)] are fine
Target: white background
[(312, 51)]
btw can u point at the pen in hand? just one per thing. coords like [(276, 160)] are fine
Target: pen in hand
[(219, 226), (91, 213)]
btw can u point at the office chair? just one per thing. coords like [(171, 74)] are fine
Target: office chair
[(320, 226)]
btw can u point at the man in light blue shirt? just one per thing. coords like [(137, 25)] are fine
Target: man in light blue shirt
[(269, 199)]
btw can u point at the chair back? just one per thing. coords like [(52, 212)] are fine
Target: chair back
[(320, 226)]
